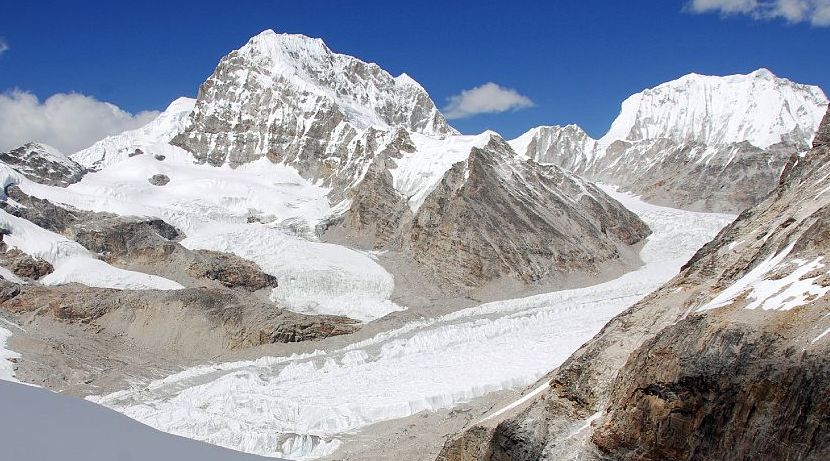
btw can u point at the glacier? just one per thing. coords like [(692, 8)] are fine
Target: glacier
[(300, 407)]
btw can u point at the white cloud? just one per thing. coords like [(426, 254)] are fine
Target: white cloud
[(816, 12), (69, 122), (4, 45), (485, 99)]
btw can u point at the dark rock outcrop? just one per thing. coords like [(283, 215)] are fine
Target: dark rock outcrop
[(159, 180), (174, 318)]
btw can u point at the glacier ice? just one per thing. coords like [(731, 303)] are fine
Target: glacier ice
[(299, 406)]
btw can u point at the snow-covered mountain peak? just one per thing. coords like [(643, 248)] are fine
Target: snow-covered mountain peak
[(368, 95), (758, 107)]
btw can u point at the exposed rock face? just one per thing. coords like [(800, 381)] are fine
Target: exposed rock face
[(24, 265), (292, 99), (726, 361), (699, 142), (495, 216), (230, 270), (44, 164)]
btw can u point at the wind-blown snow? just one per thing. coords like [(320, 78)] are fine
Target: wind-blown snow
[(297, 407)]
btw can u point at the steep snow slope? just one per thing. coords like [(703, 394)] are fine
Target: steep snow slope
[(700, 142), (417, 173), (298, 406), (114, 149), (758, 108)]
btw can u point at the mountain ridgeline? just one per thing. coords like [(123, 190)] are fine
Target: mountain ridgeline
[(699, 142)]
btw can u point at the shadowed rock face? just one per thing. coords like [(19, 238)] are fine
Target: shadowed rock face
[(672, 381), (44, 165)]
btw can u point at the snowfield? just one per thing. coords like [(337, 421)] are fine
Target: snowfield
[(298, 407), (215, 207)]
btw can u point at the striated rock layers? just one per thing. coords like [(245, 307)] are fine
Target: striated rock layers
[(727, 361)]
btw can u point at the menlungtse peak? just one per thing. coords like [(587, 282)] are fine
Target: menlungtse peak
[(290, 98)]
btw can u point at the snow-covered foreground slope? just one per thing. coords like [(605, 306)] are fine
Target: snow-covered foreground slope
[(298, 406), (260, 211), (38, 425)]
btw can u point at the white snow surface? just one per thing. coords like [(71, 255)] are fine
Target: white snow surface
[(72, 262), (709, 112), (212, 206), (757, 107), (300, 406)]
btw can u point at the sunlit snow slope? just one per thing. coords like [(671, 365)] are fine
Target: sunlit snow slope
[(297, 407)]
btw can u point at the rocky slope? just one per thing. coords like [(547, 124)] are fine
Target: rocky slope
[(292, 99), (493, 216), (726, 361), (698, 142)]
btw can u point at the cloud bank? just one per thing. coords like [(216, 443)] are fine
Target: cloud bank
[(70, 122), (816, 12), (4, 45), (489, 98)]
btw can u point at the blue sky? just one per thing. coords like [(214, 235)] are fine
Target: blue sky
[(575, 60)]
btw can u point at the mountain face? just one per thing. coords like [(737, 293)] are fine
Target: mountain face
[(398, 174), (492, 215), (293, 100), (726, 361), (699, 142)]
